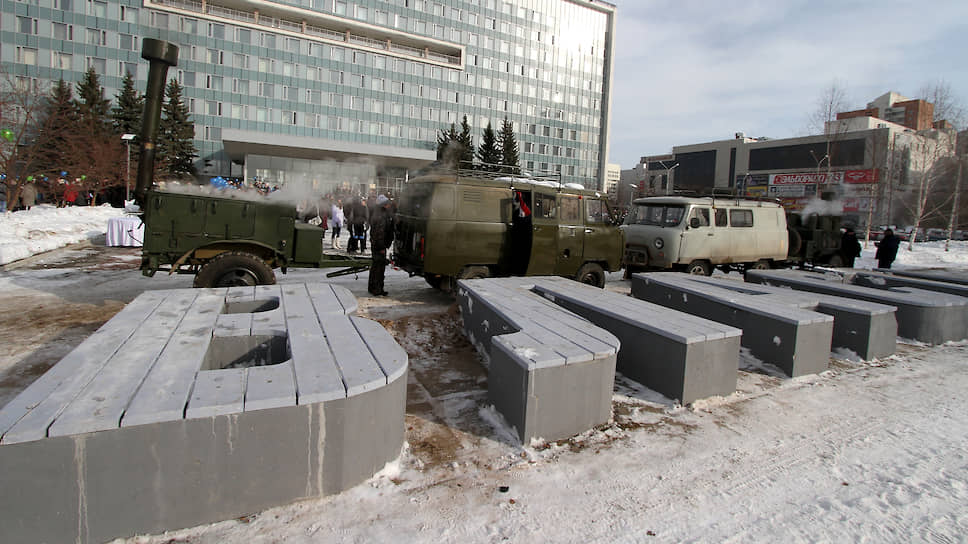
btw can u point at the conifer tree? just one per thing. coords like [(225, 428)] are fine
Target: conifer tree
[(128, 108), (466, 142), (489, 153), (91, 104), (176, 134), (59, 120), (509, 145)]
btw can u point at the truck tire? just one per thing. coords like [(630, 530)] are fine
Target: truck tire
[(234, 269), (699, 267), (474, 273), (795, 242), (762, 264), (835, 261), (591, 274)]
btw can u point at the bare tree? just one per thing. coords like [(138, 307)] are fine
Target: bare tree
[(932, 163), (832, 101), (97, 157), (24, 132), (947, 106)]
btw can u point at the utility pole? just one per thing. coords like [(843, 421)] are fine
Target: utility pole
[(952, 221)]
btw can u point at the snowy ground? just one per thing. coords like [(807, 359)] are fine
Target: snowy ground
[(873, 451)]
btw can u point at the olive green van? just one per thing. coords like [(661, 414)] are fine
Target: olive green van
[(472, 224)]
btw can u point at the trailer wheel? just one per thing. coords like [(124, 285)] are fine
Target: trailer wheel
[(234, 269), (699, 268), (591, 274)]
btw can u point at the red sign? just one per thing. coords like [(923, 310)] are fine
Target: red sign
[(861, 176), (804, 179)]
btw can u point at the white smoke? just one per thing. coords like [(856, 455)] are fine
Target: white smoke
[(823, 207)]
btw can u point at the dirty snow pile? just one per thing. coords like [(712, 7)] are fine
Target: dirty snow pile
[(45, 227)]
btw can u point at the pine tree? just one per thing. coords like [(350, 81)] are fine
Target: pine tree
[(128, 109), (448, 147), (175, 143), (466, 142), (91, 104), (489, 153), (59, 119), (509, 145)]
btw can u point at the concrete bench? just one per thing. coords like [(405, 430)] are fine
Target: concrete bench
[(882, 280), (948, 275), (197, 405), (794, 339), (926, 316), (550, 373), (682, 356), (866, 328)]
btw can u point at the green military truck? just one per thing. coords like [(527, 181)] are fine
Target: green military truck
[(224, 241), (466, 223)]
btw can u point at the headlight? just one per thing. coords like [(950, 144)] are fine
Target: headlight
[(659, 243)]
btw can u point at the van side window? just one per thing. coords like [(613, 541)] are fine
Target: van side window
[(721, 217), (596, 212), (570, 209), (741, 218), (702, 214), (544, 207)]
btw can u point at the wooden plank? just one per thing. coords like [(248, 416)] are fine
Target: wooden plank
[(317, 376), (270, 386), (216, 393), (164, 393), (356, 364), (385, 350), (28, 416)]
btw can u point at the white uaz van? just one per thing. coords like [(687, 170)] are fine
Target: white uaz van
[(697, 234)]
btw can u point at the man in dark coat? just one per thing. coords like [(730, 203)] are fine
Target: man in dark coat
[(849, 247), (887, 249), (381, 236), (357, 216)]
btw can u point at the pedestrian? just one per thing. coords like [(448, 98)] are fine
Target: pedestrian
[(28, 196), (381, 236), (849, 247), (887, 249), (337, 218), (358, 218)]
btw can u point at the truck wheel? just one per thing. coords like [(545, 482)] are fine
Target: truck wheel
[(835, 261), (699, 268), (234, 269), (474, 272), (762, 264), (592, 274), (795, 242), (434, 281)]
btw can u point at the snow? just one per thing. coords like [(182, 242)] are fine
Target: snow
[(873, 451)]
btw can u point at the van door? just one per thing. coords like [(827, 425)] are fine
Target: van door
[(697, 242), (603, 243), (544, 234), (571, 235)]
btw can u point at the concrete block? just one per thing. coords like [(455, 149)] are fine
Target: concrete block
[(794, 339), (169, 416), (927, 316)]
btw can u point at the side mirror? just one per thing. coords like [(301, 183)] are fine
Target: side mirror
[(694, 222)]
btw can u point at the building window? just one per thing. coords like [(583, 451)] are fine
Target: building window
[(266, 89), (27, 55), (266, 66), (128, 14), (215, 56), (189, 25), (213, 133), (240, 61), (214, 108), (187, 79), (63, 32), (61, 61), (240, 86), (292, 45), (27, 25), (127, 42), (159, 20), (128, 68), (97, 8), (267, 40), (65, 5), (238, 111), (243, 36), (100, 65), (97, 37)]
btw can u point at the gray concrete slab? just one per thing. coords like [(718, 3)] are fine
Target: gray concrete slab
[(142, 429), (949, 275), (794, 339), (684, 357), (926, 316), (550, 372), (882, 280)]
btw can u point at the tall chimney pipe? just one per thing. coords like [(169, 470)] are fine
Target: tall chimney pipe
[(160, 55)]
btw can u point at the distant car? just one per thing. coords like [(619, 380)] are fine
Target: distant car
[(934, 235)]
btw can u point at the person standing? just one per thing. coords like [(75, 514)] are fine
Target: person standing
[(849, 247), (887, 249), (336, 222), (358, 218), (381, 236), (28, 196)]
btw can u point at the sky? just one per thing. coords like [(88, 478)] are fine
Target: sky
[(691, 71)]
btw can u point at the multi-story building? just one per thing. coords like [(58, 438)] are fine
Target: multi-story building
[(869, 165), (344, 91)]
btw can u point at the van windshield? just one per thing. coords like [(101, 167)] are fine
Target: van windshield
[(663, 215)]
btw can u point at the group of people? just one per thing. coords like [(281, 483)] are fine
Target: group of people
[(886, 248), (374, 215)]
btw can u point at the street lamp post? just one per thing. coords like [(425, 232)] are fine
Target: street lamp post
[(668, 187), (819, 162), (127, 182)]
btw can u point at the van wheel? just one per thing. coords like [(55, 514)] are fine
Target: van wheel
[(234, 269), (762, 264), (699, 268), (592, 274), (474, 272), (434, 281)]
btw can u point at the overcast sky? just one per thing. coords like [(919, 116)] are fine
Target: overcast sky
[(693, 71)]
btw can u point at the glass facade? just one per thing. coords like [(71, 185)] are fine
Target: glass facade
[(368, 81)]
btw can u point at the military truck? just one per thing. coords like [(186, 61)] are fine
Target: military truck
[(471, 223), (224, 241), (814, 239)]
